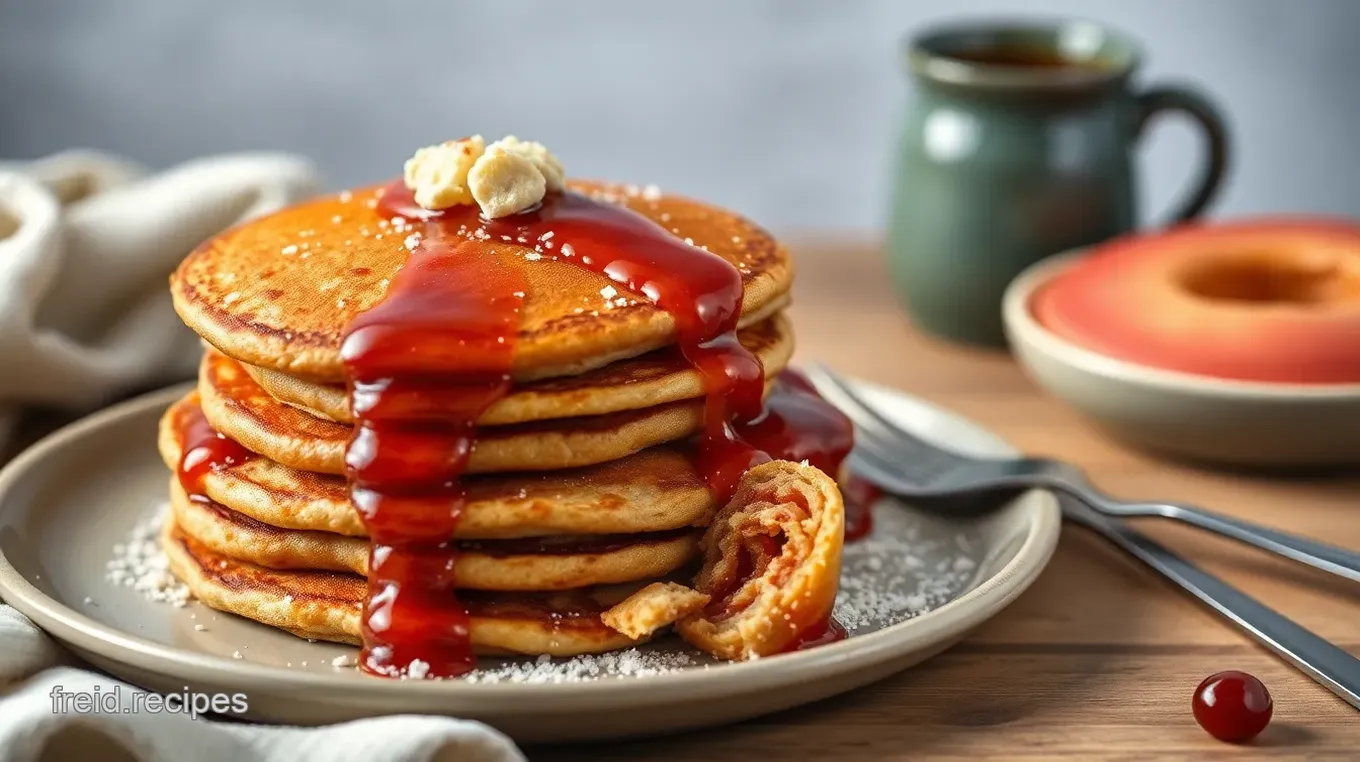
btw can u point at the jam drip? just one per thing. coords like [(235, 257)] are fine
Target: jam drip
[(799, 425), (700, 290), (204, 450), (860, 496), (426, 362), (445, 330)]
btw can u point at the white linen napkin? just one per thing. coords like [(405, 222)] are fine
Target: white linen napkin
[(31, 729), (86, 244)]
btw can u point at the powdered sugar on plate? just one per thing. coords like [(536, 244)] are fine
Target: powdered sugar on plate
[(632, 662), (910, 564), (139, 563)]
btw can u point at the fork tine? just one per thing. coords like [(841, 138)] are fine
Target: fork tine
[(824, 378), (830, 385), (884, 447), (882, 471), (885, 454), (895, 441), (871, 458), (909, 471)]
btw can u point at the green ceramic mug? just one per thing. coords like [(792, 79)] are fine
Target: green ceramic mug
[(1018, 146)]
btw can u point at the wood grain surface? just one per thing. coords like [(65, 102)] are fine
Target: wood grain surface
[(1098, 660)]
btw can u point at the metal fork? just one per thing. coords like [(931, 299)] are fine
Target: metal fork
[(1330, 666), (911, 467), (908, 466)]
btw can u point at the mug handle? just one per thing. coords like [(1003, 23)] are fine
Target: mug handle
[(1158, 100)]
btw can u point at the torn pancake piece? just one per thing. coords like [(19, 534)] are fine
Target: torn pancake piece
[(655, 606), (771, 563)]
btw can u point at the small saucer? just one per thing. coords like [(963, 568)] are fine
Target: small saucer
[(1200, 418)]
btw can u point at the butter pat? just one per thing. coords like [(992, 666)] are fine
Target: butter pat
[(553, 175), (438, 175), (505, 183), (504, 178)]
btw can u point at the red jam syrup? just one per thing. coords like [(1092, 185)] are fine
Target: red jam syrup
[(204, 450), (446, 329), (799, 425), (427, 361), (701, 291), (860, 496), (826, 632)]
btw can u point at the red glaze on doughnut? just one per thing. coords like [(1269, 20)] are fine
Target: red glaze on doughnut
[(1267, 300)]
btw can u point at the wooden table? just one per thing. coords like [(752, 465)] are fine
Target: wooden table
[(1098, 660)]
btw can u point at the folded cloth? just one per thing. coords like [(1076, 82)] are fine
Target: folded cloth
[(86, 243), (38, 721)]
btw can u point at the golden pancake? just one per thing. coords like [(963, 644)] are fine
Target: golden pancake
[(660, 604), (653, 379), (654, 490), (559, 563), (239, 408), (279, 292), (328, 605)]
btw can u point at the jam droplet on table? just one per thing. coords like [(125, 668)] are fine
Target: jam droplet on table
[(1232, 706)]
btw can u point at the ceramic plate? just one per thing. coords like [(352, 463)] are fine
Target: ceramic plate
[(916, 585)]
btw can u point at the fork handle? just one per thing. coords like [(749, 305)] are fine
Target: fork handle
[(1326, 663), (1328, 558)]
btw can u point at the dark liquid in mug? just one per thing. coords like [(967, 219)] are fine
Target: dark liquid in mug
[(1023, 57)]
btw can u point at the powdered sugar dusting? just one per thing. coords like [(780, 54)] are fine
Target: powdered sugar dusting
[(139, 563), (901, 571), (632, 662)]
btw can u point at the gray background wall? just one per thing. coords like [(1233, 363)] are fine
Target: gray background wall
[(785, 109)]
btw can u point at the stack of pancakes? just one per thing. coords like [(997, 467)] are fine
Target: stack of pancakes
[(581, 486)]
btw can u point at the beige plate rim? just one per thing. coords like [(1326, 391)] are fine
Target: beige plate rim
[(941, 626)]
